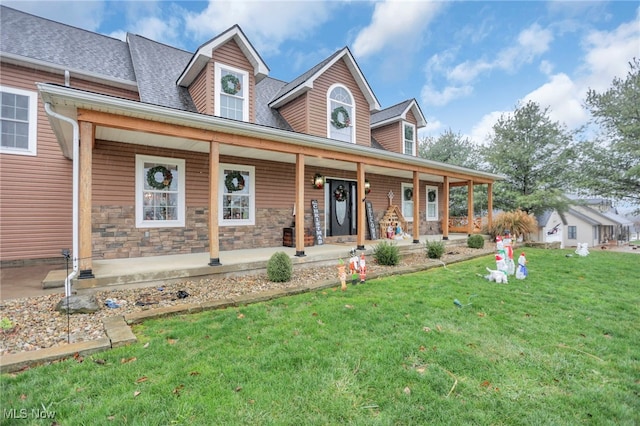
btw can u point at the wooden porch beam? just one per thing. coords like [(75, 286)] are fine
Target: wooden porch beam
[(470, 220), (299, 205), (490, 205), (445, 209), (416, 207), (360, 210), (85, 246)]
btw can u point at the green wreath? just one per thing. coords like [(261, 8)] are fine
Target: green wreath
[(335, 118), (231, 186), (408, 194), (341, 193), (431, 196), (230, 84), (167, 177)]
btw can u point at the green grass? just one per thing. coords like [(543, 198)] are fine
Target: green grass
[(560, 348)]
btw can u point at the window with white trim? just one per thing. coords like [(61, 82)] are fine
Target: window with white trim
[(341, 114), (160, 192), (572, 232), (407, 201), (237, 201), (432, 203), (231, 93), (18, 121), (409, 138)]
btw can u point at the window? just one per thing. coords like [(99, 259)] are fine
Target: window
[(237, 202), (573, 232), (341, 114), (407, 201), (231, 93), (409, 138), (432, 203), (160, 192), (19, 112)]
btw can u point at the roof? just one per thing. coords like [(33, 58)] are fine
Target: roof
[(202, 56), (398, 112), (305, 81), (57, 47), (583, 217)]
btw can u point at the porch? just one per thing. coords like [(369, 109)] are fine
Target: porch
[(147, 271)]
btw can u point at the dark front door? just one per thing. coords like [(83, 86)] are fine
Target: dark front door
[(342, 207)]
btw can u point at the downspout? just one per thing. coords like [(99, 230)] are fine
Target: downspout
[(76, 186)]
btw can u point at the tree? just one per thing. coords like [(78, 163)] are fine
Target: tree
[(610, 164), (537, 157), (453, 148)]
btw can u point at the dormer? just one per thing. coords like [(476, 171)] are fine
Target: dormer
[(222, 74), (396, 127), (332, 100)]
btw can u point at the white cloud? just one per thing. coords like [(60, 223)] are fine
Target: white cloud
[(430, 96), (86, 14), (266, 23), (482, 130), (564, 99), (395, 23)]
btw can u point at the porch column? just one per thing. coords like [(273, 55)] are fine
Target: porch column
[(214, 181), (361, 210), (87, 139), (470, 207), (416, 207), (445, 209), (300, 205), (489, 205)]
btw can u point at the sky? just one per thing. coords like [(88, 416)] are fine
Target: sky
[(465, 62)]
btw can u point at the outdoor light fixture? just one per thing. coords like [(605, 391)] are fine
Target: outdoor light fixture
[(367, 187), (318, 181)]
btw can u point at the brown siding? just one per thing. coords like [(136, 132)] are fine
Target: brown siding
[(389, 136), (317, 105), (411, 118), (201, 90), (297, 114), (230, 54)]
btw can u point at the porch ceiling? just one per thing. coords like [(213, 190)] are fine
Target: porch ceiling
[(163, 141)]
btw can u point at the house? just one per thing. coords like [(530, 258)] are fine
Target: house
[(121, 149), (592, 221)]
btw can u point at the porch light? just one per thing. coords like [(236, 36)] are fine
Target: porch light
[(367, 187), (318, 181)]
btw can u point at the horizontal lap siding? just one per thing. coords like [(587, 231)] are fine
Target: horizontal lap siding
[(230, 54), (201, 90), (389, 137), (296, 114)]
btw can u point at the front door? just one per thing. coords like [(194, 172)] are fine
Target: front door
[(342, 207)]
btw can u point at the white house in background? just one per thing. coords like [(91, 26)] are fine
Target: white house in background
[(595, 222)]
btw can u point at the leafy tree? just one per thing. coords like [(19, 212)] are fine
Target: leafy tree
[(610, 164), (537, 157), (453, 148)]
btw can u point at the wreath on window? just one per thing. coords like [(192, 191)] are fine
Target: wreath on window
[(340, 118), (431, 196), (234, 181), (230, 84), (408, 194), (154, 182), (341, 193)]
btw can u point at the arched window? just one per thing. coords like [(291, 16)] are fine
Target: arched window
[(341, 114)]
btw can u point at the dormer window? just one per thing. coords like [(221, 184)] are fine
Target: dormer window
[(409, 138), (231, 93), (341, 114)]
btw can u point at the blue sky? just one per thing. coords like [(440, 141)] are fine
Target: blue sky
[(466, 62)]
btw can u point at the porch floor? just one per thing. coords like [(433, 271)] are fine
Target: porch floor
[(148, 271)]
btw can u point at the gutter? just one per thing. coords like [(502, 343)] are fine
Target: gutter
[(76, 178)]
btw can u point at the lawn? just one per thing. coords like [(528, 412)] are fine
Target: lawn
[(559, 348)]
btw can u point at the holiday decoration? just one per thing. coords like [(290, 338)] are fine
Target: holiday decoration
[(342, 274), (522, 272), (408, 194), (234, 181), (341, 193), (159, 177), (363, 269), (582, 249), (340, 118), (230, 84)]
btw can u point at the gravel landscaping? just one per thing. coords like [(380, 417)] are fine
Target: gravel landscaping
[(34, 324)]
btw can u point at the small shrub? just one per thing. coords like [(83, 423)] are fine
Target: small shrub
[(279, 267), (475, 241), (386, 253), (435, 249)]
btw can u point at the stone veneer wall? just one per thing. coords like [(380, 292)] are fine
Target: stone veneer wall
[(115, 235)]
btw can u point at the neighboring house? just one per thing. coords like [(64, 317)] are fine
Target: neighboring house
[(127, 149), (592, 221)]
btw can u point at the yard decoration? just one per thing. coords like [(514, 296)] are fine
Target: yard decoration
[(159, 172), (354, 267), (230, 84), (342, 274), (363, 269), (234, 181), (582, 249), (340, 193), (408, 194), (340, 118), (522, 271)]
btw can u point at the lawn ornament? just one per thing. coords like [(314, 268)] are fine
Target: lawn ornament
[(501, 264), (582, 249), (500, 277), (342, 274), (522, 271), (363, 269), (354, 267)]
